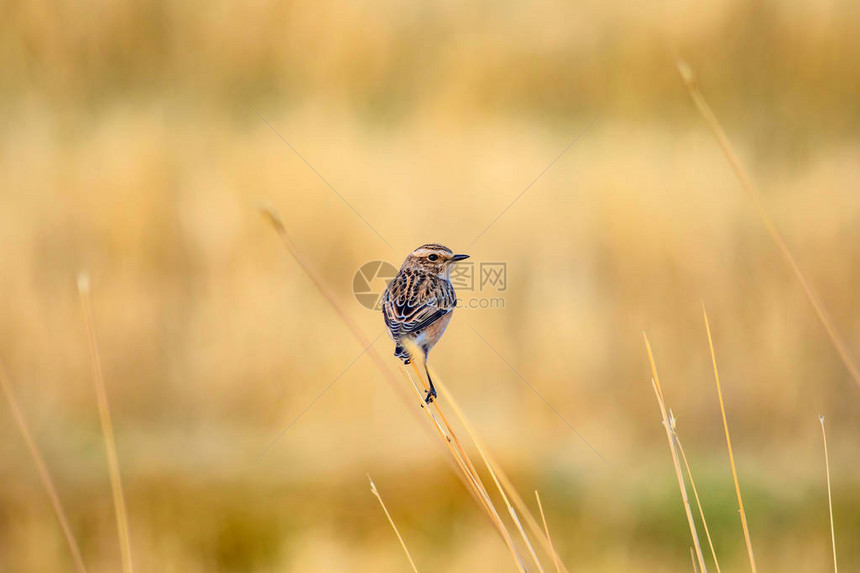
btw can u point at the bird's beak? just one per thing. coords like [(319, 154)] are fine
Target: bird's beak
[(456, 258)]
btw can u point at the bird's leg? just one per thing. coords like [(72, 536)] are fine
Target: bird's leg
[(431, 393)]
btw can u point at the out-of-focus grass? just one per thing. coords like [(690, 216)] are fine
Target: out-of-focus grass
[(130, 145)]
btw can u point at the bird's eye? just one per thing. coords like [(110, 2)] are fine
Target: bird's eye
[(433, 257)]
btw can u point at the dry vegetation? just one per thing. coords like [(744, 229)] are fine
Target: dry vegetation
[(131, 146)]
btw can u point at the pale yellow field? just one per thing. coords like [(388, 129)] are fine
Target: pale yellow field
[(138, 142)]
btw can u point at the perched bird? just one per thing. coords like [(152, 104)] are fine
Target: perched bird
[(418, 302)]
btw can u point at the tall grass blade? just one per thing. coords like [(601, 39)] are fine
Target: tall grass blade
[(829, 494), (468, 468), (658, 391), (491, 466), (42, 469), (107, 429), (375, 492), (729, 445), (695, 492), (498, 474), (546, 530), (746, 182)]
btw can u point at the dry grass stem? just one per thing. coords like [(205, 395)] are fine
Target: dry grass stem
[(695, 491), (532, 523), (107, 429), (746, 182), (490, 465), (729, 445), (467, 467), (467, 474), (829, 494), (546, 530), (693, 559), (658, 391), (391, 521), (42, 469), (499, 474)]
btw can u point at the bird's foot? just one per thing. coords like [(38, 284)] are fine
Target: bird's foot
[(431, 394)]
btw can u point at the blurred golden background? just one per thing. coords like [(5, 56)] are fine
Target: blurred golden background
[(138, 140)]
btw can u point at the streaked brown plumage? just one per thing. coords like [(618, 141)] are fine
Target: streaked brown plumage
[(418, 303)]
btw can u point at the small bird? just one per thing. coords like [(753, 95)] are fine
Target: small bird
[(419, 301)]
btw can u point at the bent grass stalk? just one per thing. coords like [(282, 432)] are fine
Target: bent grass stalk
[(499, 474), (504, 485), (746, 182), (468, 475), (107, 428), (450, 436), (490, 468), (729, 445), (465, 464), (658, 391), (42, 470), (829, 495), (534, 527), (375, 492)]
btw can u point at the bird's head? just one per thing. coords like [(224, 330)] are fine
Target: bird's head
[(433, 258)]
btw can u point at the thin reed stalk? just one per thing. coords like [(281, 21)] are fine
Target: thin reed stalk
[(468, 469), (546, 530), (449, 435), (490, 465), (499, 474), (695, 491), (751, 190), (729, 445), (524, 510), (107, 429), (375, 492), (471, 478), (42, 469), (829, 494), (658, 391)]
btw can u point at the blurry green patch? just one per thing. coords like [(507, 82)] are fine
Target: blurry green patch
[(229, 527)]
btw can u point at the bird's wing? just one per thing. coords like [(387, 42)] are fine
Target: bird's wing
[(413, 302)]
